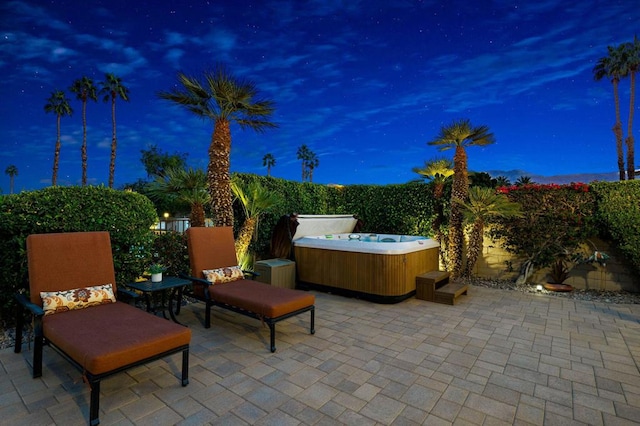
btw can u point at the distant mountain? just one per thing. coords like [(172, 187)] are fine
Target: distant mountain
[(513, 176)]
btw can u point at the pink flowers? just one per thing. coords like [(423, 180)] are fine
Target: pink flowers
[(576, 186)]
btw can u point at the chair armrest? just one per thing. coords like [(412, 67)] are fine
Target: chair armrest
[(194, 279), (127, 295), (251, 274), (32, 307)]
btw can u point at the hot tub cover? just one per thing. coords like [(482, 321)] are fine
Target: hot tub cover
[(310, 225)]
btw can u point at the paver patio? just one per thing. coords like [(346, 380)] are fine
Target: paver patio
[(497, 357)]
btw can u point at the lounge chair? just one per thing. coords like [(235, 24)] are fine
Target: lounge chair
[(87, 326), (212, 249)]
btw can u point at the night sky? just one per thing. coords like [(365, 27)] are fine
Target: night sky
[(364, 84)]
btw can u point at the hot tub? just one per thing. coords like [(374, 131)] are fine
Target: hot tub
[(377, 267)]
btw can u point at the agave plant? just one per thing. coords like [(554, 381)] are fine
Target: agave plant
[(255, 200)]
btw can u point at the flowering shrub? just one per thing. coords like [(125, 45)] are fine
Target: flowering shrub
[(556, 220)]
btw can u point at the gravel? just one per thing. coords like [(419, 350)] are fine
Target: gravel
[(604, 296), (7, 334)]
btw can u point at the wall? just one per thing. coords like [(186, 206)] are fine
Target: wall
[(615, 276)]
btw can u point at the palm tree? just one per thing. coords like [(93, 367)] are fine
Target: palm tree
[(303, 154), (311, 164), (459, 135), (632, 62), (502, 181), (255, 200), (222, 99), (611, 67), (57, 104), (438, 171), (188, 186), (483, 204), (84, 90), (268, 161), (524, 180), (111, 89), (12, 171)]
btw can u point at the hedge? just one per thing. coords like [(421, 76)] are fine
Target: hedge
[(619, 215), (127, 216)]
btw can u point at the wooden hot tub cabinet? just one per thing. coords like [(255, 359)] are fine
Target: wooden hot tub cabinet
[(381, 278)]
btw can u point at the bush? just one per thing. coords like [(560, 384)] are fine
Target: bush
[(127, 216), (398, 209), (556, 220), (619, 214), (170, 250)]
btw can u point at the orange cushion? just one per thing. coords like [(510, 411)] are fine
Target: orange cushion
[(106, 337), (260, 298)]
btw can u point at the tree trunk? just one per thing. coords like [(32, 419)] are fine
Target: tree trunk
[(475, 247), (617, 131), (83, 149), (197, 215), (218, 174), (459, 192), (244, 237), (631, 168), (56, 154), (114, 142)]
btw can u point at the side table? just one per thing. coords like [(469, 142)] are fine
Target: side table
[(173, 284)]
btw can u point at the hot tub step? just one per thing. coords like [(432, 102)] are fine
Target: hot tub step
[(426, 284), (449, 293)]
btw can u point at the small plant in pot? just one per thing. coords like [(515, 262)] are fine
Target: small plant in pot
[(156, 271), (558, 274)]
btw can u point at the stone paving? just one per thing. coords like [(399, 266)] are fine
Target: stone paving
[(498, 357)]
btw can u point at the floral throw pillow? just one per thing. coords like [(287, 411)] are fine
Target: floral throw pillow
[(54, 302), (223, 275)]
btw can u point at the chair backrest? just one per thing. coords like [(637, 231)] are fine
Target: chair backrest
[(67, 261), (210, 248)]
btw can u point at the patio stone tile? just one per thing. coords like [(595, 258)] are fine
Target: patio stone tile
[(498, 357), (445, 409), (587, 415), (490, 407), (316, 395), (502, 394), (627, 412), (142, 407), (554, 395), (530, 414), (382, 409)]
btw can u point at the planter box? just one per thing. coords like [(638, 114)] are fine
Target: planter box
[(277, 272)]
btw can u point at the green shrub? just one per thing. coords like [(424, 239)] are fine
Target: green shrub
[(619, 214), (398, 209), (170, 250), (127, 216), (556, 220)]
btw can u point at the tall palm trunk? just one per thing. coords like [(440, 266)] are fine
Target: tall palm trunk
[(196, 218), (218, 174), (114, 142), (631, 168), (436, 226), (459, 192), (617, 131), (244, 236), (56, 154), (83, 149), (476, 239)]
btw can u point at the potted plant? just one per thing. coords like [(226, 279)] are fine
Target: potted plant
[(558, 274), (156, 271)]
